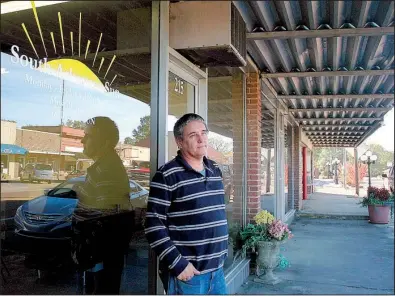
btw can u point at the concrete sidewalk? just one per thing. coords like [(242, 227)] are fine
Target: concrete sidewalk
[(340, 204), (334, 256)]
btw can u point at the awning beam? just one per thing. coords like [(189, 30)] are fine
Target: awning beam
[(350, 96), (364, 109), (330, 33), (328, 73)]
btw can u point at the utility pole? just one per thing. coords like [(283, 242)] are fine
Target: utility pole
[(61, 125)]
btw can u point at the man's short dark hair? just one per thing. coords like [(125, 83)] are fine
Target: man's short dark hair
[(178, 129), (105, 129)]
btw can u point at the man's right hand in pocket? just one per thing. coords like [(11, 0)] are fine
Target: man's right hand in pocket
[(189, 272)]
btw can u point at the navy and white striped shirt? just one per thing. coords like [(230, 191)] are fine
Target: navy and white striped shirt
[(186, 218)]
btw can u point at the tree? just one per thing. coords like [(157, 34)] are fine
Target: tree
[(351, 176), (383, 157), (78, 124), (128, 140), (219, 144), (324, 155), (143, 130)]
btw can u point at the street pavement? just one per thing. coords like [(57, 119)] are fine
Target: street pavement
[(321, 203), (18, 190)]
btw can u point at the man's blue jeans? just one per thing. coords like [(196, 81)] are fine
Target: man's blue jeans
[(211, 283)]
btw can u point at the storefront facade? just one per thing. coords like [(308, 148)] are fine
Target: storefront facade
[(144, 64), (146, 78)]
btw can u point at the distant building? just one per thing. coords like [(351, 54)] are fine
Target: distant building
[(11, 153)]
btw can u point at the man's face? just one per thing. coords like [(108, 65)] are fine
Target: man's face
[(90, 142), (194, 140)]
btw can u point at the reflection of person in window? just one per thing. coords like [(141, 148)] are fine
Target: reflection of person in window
[(99, 217)]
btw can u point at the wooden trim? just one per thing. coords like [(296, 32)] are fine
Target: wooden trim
[(276, 35)]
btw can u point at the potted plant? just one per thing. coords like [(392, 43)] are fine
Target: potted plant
[(264, 238), (379, 201)]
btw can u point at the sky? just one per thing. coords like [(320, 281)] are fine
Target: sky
[(32, 97), (385, 134)]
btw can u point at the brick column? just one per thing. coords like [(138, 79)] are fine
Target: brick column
[(254, 136), (297, 169)]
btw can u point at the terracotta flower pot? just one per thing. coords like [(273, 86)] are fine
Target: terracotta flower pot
[(379, 214)]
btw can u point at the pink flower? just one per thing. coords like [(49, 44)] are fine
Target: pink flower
[(277, 229)]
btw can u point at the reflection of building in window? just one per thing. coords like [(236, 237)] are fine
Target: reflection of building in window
[(10, 151), (132, 155)]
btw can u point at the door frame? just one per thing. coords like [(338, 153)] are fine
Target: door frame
[(163, 60), (192, 74)]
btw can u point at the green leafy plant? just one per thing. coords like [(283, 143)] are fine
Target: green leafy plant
[(234, 229), (265, 229), (378, 196)]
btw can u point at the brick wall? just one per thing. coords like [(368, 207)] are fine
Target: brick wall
[(254, 135), (297, 169)]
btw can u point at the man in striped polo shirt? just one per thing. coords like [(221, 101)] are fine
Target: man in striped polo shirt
[(186, 221)]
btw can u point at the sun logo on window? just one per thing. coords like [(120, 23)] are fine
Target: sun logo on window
[(69, 65)]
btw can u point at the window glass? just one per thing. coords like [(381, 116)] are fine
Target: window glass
[(288, 167), (226, 123), (268, 157), (43, 167), (181, 101), (75, 97)]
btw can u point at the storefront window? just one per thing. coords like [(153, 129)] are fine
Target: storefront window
[(268, 157), (75, 97), (288, 167), (226, 122)]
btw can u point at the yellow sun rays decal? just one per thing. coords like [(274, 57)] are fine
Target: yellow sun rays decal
[(69, 65), (75, 67)]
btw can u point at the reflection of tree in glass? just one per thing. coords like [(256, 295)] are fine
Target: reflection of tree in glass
[(78, 124), (219, 144), (128, 140), (142, 132)]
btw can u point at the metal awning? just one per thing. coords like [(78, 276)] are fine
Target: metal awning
[(330, 62), (13, 149)]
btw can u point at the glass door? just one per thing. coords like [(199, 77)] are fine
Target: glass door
[(186, 93)]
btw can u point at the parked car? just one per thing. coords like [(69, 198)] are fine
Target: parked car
[(140, 173), (43, 224), (389, 175), (37, 172), (75, 174)]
